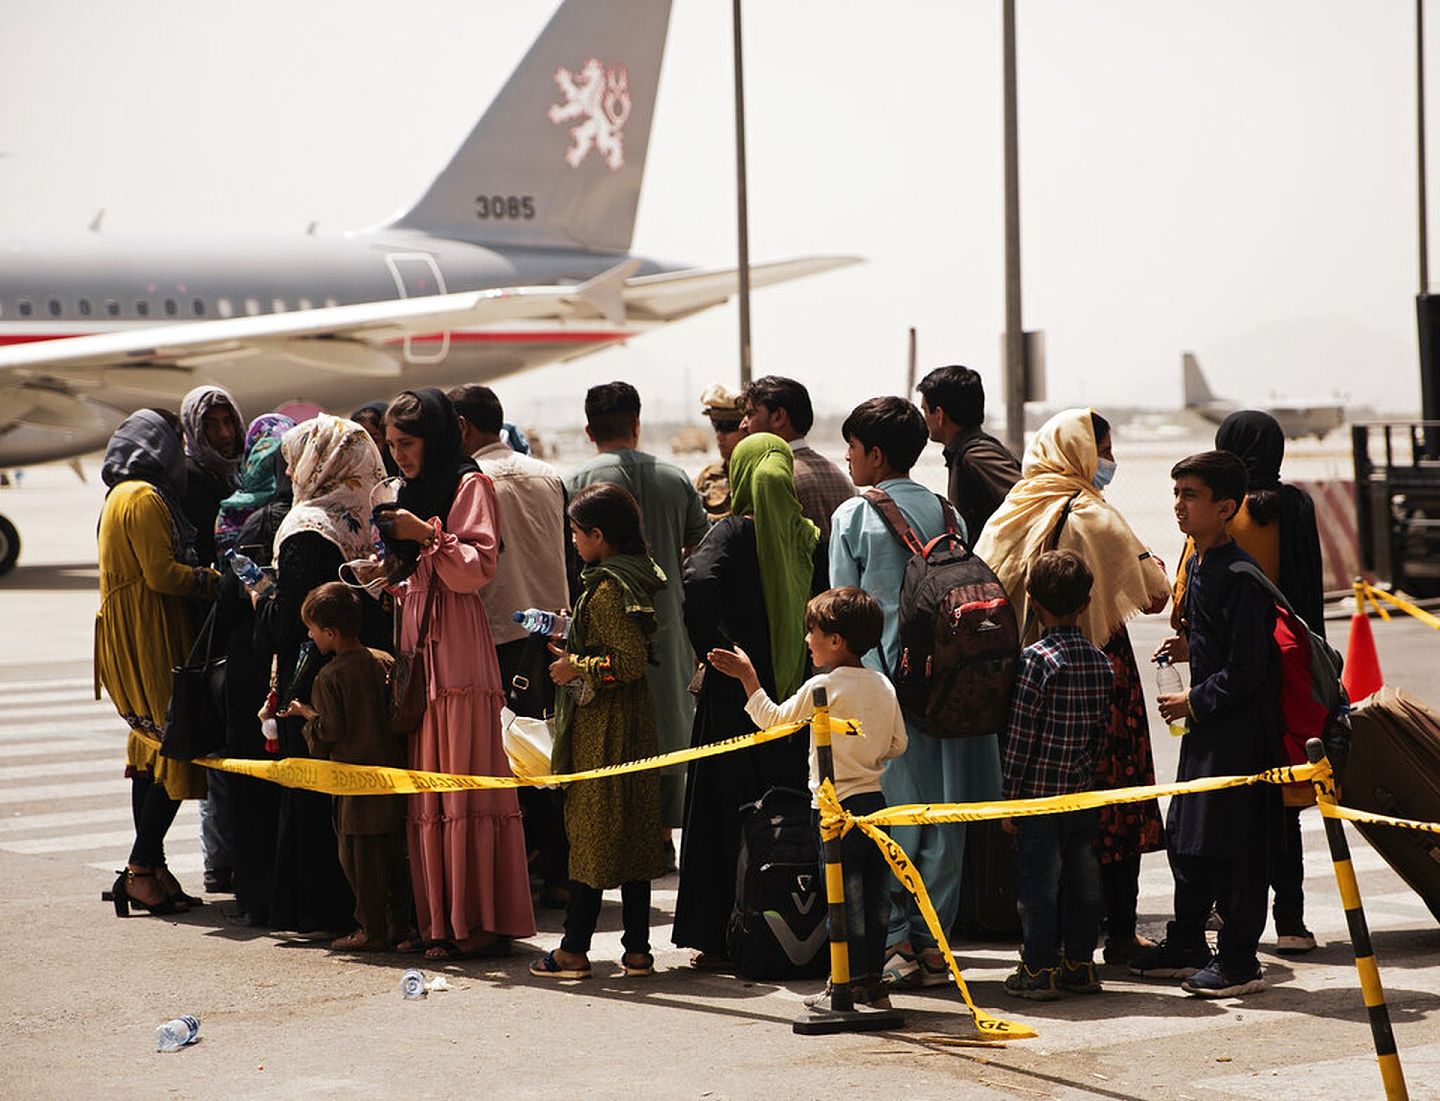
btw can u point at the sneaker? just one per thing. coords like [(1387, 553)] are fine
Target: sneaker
[(1166, 961), (1211, 982), (1077, 978), (1295, 944), (933, 969), (869, 994), (1037, 986)]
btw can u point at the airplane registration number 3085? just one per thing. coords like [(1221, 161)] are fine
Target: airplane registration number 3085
[(509, 207)]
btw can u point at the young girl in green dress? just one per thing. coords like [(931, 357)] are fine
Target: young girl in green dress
[(605, 717)]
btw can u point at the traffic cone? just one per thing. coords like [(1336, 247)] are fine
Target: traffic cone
[(1361, 675)]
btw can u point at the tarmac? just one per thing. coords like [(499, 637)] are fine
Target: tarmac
[(283, 1017)]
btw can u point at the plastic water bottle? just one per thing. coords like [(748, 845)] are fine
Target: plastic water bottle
[(251, 576), (1168, 683), (412, 984), (551, 624), (173, 1035)]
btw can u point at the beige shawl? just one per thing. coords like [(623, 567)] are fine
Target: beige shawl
[(1060, 464)]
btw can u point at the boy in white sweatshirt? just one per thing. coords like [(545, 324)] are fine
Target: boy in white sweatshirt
[(841, 626)]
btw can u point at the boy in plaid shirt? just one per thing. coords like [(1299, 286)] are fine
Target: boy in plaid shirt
[(1062, 703)]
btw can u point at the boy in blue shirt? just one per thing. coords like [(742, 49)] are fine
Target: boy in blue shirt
[(884, 437), (1057, 721)]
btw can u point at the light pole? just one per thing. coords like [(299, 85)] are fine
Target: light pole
[(1014, 329), (742, 216)]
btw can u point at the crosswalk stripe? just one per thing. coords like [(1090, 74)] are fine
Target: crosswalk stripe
[(69, 711), (49, 684), (68, 695), (40, 731), (45, 793), (186, 863), (56, 768), (32, 846), (189, 812), (53, 746)]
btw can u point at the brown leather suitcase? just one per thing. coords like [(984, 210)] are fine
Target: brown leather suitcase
[(1394, 769)]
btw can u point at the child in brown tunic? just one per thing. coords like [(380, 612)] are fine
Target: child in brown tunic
[(348, 719)]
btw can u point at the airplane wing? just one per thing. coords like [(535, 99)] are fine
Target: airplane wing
[(670, 296)]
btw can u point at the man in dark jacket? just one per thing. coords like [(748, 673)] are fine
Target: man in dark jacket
[(982, 469), (1220, 843)]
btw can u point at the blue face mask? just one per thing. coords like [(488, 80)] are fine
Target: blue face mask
[(1104, 473)]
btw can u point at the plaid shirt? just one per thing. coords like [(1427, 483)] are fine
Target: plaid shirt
[(821, 486), (1060, 713)]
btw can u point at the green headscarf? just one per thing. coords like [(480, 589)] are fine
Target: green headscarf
[(762, 486), (638, 578)]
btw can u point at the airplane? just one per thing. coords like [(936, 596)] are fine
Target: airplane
[(518, 254), (1314, 419)]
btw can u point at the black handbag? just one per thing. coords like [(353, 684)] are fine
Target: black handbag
[(195, 720)]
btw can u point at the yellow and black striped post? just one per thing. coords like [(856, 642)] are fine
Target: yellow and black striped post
[(1391, 1073), (842, 1015)]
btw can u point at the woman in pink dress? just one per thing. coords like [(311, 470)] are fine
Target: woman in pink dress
[(467, 848)]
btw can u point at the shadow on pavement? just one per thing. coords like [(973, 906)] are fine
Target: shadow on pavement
[(53, 578)]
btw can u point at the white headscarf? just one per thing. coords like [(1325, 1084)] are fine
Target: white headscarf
[(334, 465), (1059, 466)]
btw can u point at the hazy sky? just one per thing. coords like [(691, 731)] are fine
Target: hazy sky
[(1230, 177)]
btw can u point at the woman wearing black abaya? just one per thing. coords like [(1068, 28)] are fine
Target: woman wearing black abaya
[(1276, 526), (763, 558), (333, 467)]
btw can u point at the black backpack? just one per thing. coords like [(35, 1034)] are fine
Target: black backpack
[(959, 637), (777, 929)]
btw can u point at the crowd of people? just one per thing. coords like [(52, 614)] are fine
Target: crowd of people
[(399, 543)]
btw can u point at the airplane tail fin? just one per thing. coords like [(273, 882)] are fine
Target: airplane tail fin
[(557, 159), (1197, 389)]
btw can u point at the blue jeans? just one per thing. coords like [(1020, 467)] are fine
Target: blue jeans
[(1057, 856), (867, 889)]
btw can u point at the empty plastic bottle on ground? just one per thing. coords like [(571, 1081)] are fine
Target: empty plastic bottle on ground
[(412, 983), (1168, 683), (173, 1035), (551, 624), (252, 576)]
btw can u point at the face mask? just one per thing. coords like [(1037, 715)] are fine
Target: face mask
[(1104, 473)]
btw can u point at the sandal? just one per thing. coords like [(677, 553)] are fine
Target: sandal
[(548, 967), (449, 951), (122, 899), (358, 941), (411, 945), (647, 968)]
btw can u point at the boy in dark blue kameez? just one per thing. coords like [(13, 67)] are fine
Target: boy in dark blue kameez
[(1220, 843)]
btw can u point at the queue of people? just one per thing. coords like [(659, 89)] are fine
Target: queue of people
[(696, 618)]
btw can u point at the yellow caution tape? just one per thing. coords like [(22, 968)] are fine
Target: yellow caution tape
[(1374, 596), (338, 778), (1335, 810), (834, 821)]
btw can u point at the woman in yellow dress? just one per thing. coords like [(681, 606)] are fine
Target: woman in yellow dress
[(144, 628)]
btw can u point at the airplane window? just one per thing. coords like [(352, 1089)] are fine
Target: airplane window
[(197, 307), (24, 307), (223, 307), (112, 307), (142, 308), (252, 306), (305, 304), (331, 302), (277, 305), (54, 306), (84, 307), (170, 307)]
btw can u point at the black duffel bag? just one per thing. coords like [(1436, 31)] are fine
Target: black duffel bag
[(195, 720)]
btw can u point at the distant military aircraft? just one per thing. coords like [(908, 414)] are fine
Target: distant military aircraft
[(518, 254), (1313, 419)]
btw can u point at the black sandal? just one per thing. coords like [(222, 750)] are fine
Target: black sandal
[(120, 895)]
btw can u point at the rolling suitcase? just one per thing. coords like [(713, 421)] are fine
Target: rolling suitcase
[(1394, 769), (989, 885)]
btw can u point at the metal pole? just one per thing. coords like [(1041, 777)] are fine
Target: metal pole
[(1391, 1074), (1014, 329), (910, 366), (842, 1015), (742, 214)]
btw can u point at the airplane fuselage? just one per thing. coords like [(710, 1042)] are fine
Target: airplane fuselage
[(55, 288)]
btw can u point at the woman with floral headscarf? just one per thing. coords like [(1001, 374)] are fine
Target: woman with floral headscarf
[(258, 479), (214, 438), (148, 578), (467, 848), (1059, 503), (333, 467), (746, 584)]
